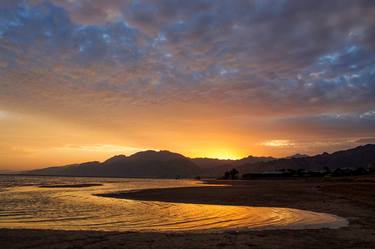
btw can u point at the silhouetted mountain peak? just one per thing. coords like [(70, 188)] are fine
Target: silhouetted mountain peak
[(162, 155), (358, 157), (249, 157), (253, 159), (162, 164), (298, 155), (91, 163), (115, 159), (367, 146), (166, 164)]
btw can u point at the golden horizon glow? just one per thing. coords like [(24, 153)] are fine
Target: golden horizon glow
[(219, 153), (34, 141)]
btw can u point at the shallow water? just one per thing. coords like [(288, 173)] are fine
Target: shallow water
[(24, 204)]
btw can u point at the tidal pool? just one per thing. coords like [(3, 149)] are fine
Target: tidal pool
[(24, 204)]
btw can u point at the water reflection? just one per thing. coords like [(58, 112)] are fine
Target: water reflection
[(23, 204)]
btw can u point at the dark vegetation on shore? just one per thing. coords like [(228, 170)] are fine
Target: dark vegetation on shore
[(338, 172)]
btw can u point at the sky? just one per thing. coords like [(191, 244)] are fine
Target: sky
[(86, 80)]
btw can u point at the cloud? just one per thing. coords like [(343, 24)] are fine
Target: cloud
[(3, 115), (8, 116), (366, 141), (314, 54), (94, 12), (101, 148), (328, 125), (199, 49), (218, 51), (278, 143)]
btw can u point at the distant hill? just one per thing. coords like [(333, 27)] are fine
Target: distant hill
[(296, 156), (210, 163), (152, 164), (361, 156), (206, 163), (7, 171), (216, 167), (165, 164)]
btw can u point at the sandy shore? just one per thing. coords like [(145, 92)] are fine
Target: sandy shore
[(352, 198), (85, 185)]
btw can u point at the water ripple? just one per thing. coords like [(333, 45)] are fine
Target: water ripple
[(25, 205)]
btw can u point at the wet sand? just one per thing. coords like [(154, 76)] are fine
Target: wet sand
[(86, 185), (351, 198)]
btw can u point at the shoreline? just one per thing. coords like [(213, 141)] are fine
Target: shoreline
[(258, 193), (351, 198)]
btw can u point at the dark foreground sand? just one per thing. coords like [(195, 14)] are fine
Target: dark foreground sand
[(352, 198)]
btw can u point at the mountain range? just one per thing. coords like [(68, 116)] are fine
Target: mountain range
[(359, 157), (148, 164), (166, 164)]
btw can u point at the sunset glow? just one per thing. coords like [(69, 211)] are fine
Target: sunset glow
[(86, 80)]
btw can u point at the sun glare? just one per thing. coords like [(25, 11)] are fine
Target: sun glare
[(221, 154)]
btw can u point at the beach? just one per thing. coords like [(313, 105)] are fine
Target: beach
[(352, 198)]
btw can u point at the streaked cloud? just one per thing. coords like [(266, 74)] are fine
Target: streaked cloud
[(370, 140), (3, 115), (107, 148), (278, 143)]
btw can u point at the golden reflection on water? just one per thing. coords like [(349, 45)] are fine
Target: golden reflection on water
[(80, 209)]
